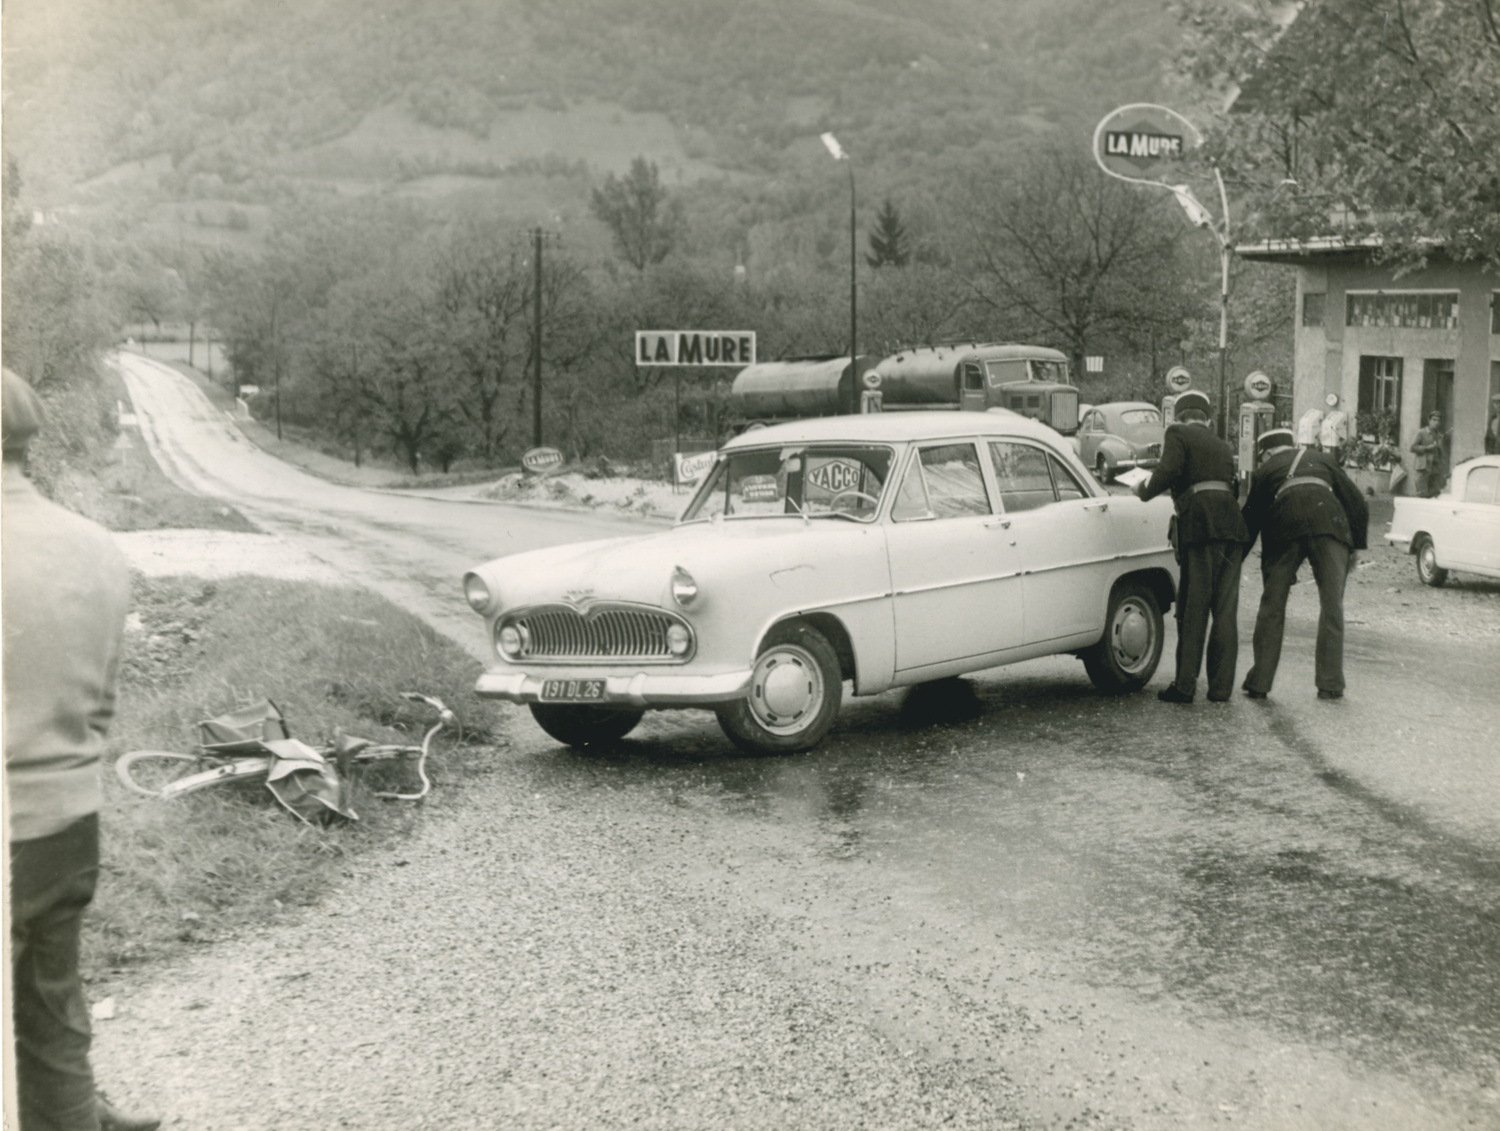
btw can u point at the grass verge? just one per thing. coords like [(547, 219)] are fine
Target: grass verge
[(192, 870)]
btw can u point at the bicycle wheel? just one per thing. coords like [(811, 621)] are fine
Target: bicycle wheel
[(166, 773)]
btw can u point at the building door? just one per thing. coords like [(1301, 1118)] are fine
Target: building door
[(1437, 389)]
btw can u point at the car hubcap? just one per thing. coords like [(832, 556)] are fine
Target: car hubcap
[(1131, 636), (786, 689), (1427, 560)]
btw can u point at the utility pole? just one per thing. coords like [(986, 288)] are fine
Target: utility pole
[(536, 340)]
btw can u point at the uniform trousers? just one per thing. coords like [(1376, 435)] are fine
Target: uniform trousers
[(1208, 591), (1279, 562), (52, 883)]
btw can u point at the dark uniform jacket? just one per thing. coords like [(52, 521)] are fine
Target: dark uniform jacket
[(1337, 509), (1191, 453)]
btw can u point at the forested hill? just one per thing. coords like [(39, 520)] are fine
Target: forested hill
[(234, 98)]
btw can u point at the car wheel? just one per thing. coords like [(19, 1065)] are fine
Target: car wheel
[(1102, 470), (1427, 568), (573, 724), (1126, 656), (795, 692)]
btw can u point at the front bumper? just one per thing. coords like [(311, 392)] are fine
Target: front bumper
[(1144, 461), (637, 689)]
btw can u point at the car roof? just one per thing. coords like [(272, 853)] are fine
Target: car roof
[(896, 427)]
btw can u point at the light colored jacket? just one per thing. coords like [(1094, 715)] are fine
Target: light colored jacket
[(66, 591)]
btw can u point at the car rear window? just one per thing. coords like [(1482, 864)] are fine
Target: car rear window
[(1483, 485)]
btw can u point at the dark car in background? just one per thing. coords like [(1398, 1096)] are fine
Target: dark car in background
[(1118, 436)]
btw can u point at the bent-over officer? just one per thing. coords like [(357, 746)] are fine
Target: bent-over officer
[(1198, 468), (1304, 508)]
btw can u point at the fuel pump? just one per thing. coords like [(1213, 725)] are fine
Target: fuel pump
[(1256, 416)]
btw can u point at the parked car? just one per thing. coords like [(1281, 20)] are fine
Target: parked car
[(1117, 436), (884, 549), (1459, 529)]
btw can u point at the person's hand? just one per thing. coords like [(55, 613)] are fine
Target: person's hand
[(1140, 489)]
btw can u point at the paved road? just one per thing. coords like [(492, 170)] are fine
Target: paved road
[(999, 902)]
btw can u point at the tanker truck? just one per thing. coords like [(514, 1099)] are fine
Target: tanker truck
[(967, 376)]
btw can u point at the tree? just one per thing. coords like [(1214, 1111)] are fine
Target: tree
[(888, 239), (1062, 255), (638, 212), (1359, 118)]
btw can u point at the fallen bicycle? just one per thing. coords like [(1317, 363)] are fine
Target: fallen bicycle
[(254, 743)]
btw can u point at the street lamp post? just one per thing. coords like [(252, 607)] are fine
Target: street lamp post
[(833, 147)]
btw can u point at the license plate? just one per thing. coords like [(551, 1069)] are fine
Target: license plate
[(572, 690)]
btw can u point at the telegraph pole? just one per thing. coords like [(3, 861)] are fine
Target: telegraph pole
[(536, 340)]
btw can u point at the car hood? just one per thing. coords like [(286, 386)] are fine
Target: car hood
[(717, 554)]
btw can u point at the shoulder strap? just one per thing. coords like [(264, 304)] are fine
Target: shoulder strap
[(1292, 471)]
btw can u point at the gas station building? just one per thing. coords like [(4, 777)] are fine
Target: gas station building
[(1370, 344)]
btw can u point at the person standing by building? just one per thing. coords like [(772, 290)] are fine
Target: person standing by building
[(1198, 468), (1303, 507), (1427, 449), (1492, 428), (65, 592)]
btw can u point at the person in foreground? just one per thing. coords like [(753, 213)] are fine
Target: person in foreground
[(1198, 468), (1303, 507), (66, 588)]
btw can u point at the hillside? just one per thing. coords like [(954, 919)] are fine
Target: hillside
[(200, 112)]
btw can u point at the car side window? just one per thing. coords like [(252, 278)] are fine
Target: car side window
[(1023, 475), (1064, 480), (949, 477), (973, 377), (1483, 485)]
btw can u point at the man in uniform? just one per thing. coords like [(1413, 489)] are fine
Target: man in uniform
[(1198, 468), (1304, 508), (65, 593)]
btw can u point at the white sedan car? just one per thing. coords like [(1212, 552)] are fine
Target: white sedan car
[(1457, 530), (882, 550)]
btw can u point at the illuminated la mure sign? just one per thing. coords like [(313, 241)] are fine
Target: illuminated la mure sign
[(695, 347)]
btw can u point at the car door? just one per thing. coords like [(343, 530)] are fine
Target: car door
[(955, 569), (1472, 522), (1066, 538)]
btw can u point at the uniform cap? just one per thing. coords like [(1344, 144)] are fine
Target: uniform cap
[(20, 415), (1192, 399), (1275, 438)]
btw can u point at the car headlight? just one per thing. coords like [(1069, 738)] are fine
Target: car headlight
[(679, 639), (511, 640), (476, 592), (684, 588)]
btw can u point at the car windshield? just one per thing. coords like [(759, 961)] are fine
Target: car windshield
[(843, 481), (1140, 416)]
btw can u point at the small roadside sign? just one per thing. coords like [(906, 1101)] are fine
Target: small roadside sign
[(690, 467), (539, 461), (1179, 380), (1258, 386)]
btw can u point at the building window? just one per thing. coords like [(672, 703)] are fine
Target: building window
[(1412, 310), (1495, 312), (1379, 412), (1312, 309)]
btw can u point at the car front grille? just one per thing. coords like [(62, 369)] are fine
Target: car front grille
[(601, 632)]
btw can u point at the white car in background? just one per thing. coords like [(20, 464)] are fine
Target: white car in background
[(883, 550), (1457, 530)]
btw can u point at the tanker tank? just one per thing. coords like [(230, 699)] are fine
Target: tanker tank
[(796, 387)]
